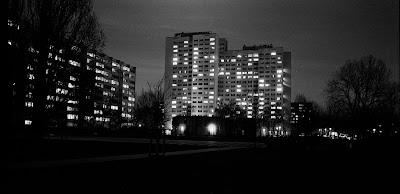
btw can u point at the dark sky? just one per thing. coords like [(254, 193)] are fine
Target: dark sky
[(321, 35)]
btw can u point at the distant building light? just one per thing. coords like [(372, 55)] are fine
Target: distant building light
[(28, 122)]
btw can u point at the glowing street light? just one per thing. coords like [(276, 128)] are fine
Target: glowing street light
[(212, 129), (182, 129)]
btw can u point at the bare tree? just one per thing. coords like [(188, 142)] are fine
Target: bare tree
[(149, 106), (359, 90), (230, 110)]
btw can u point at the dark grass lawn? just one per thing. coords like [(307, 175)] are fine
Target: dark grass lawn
[(284, 167), (55, 149), (233, 171)]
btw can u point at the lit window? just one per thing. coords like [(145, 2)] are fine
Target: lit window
[(114, 82), (174, 102), (279, 62), (261, 81), (131, 98), (29, 104), (72, 116), (222, 60), (74, 63), (28, 122), (31, 77), (238, 90), (194, 88), (174, 76), (249, 64), (175, 59), (175, 50), (113, 107), (115, 64), (211, 74), (195, 66), (273, 52), (70, 85), (195, 53), (186, 42), (212, 43), (239, 56), (212, 39), (174, 63), (279, 89), (279, 71), (195, 49), (175, 46)]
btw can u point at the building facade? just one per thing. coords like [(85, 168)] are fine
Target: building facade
[(191, 74), (201, 74), (301, 117), (115, 91), (84, 88)]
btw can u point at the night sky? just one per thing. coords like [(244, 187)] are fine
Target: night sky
[(321, 35)]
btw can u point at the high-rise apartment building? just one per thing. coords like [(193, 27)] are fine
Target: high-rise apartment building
[(88, 89), (201, 74), (115, 91), (191, 73), (258, 79)]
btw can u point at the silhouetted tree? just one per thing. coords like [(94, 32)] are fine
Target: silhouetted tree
[(359, 92), (230, 110), (41, 26), (149, 106), (301, 98)]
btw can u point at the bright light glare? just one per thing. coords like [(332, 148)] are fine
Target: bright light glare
[(212, 128), (182, 129)]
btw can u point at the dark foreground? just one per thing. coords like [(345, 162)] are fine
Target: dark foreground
[(283, 167)]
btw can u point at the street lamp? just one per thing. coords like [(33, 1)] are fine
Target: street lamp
[(212, 129)]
